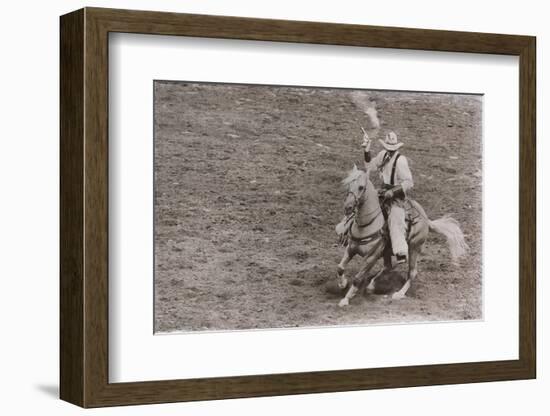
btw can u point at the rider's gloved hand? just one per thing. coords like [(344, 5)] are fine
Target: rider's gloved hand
[(388, 194)]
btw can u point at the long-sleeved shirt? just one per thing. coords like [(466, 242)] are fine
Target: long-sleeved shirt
[(403, 175)]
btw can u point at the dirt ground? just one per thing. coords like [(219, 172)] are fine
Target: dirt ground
[(247, 194)]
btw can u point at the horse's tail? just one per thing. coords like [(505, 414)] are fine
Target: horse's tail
[(448, 227)]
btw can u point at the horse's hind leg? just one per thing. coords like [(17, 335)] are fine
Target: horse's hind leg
[(387, 267), (413, 271), (387, 257), (372, 284)]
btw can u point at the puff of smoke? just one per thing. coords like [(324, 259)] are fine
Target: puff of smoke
[(363, 102)]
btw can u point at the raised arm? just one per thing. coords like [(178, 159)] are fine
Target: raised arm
[(370, 161)]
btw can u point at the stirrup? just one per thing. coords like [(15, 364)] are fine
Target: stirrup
[(400, 258)]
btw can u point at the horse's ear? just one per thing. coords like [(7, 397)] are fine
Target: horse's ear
[(354, 168)]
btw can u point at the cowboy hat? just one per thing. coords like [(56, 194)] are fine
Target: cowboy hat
[(390, 143)]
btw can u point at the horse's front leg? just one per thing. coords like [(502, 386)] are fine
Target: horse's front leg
[(342, 279), (371, 260)]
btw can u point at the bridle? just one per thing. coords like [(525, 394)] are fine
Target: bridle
[(357, 198)]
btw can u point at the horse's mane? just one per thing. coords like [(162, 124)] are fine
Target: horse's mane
[(352, 176)]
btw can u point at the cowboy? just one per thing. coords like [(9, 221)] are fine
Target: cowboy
[(394, 171)]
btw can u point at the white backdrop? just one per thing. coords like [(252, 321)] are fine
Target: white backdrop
[(29, 220)]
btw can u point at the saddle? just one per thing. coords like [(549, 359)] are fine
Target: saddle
[(412, 216), (411, 213)]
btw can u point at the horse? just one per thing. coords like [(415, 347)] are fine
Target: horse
[(365, 232)]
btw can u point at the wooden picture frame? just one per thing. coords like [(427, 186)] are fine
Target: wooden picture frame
[(84, 207)]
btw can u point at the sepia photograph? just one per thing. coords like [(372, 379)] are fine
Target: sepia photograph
[(297, 207)]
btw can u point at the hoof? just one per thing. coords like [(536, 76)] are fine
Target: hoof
[(398, 296), (334, 288), (344, 302), (343, 283), (370, 288)]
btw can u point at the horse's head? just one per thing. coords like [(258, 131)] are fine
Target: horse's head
[(356, 186)]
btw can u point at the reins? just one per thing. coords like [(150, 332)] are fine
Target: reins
[(356, 208), (367, 239), (376, 212)]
